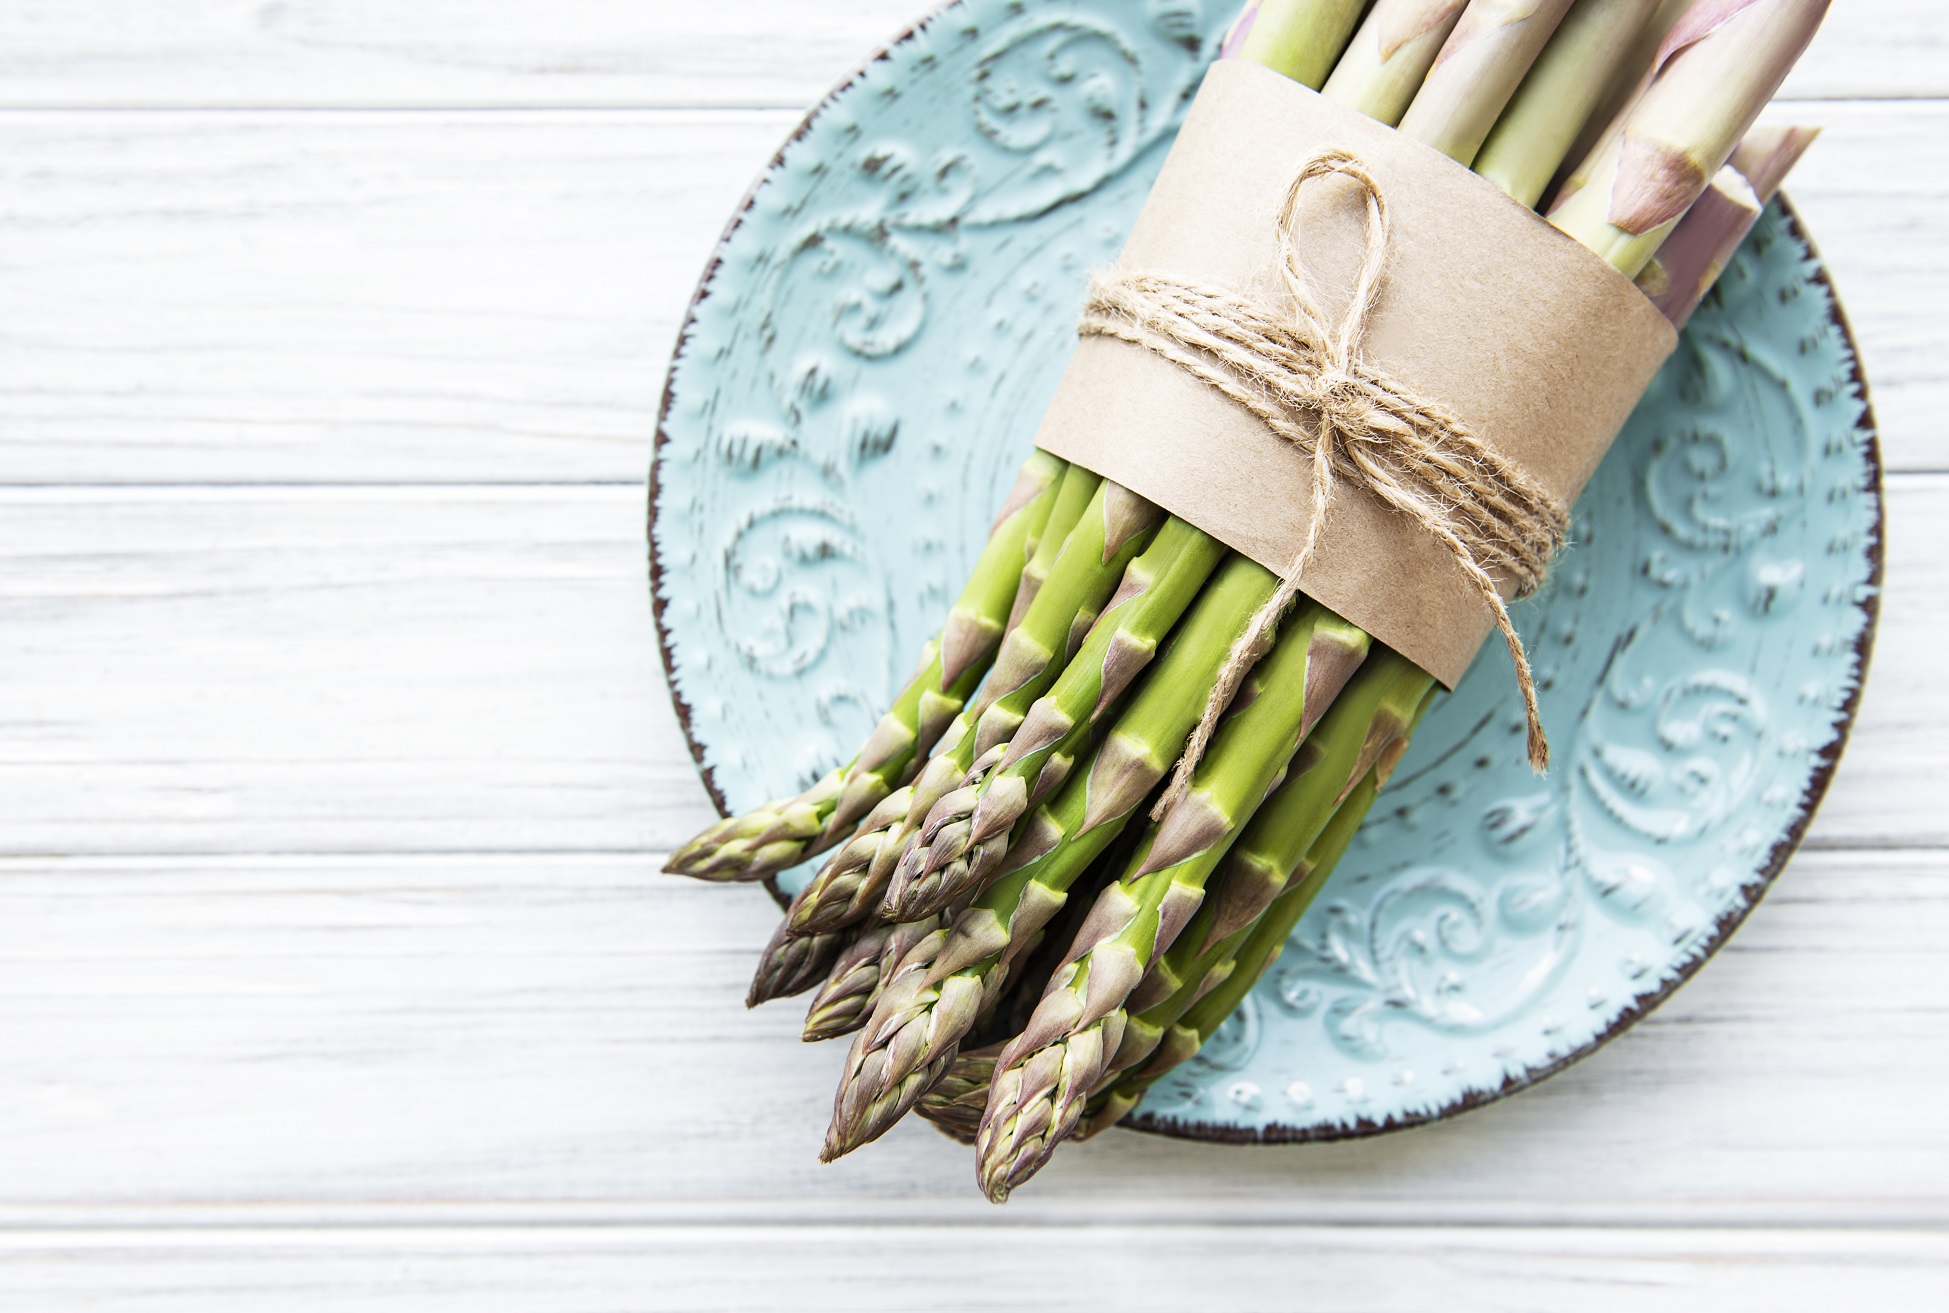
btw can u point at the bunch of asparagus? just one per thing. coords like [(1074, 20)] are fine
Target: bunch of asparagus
[(1016, 945)]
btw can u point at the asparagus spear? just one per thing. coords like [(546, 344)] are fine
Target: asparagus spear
[(1072, 498), (782, 833), (1389, 56), (1534, 135), (792, 964), (854, 982), (966, 833), (1625, 83), (1717, 69), (1477, 71), (1300, 38), (912, 1038)]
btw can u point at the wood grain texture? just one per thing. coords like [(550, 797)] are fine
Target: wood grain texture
[(473, 669), (492, 297), (335, 765), (599, 53), (1139, 1269), (438, 53), (445, 1038), (352, 298), (447, 53)]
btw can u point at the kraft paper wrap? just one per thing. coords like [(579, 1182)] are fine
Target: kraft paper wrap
[(1536, 345)]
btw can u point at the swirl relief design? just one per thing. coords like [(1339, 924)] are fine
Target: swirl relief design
[(880, 331), (865, 367)]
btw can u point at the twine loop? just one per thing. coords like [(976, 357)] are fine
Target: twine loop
[(1304, 378)]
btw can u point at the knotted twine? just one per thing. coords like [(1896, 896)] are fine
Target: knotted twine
[(1308, 382)]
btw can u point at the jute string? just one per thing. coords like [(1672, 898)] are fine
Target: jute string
[(1307, 381)]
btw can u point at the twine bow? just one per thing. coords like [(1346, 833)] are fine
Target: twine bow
[(1307, 381)]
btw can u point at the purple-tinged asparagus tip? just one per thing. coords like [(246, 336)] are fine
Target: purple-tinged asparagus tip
[(1042, 728), (1123, 775), (1333, 653), (998, 810), (1123, 661), (1030, 483), (1189, 828), (1766, 154), (1241, 29), (967, 640), (1125, 515), (1248, 886)]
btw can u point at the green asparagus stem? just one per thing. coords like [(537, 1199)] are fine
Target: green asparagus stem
[(1116, 527), (1046, 1073), (1623, 85), (1534, 135), (965, 835), (782, 833), (911, 1039), (1717, 69), (1301, 38), (1072, 498), (1389, 56), (1477, 72)]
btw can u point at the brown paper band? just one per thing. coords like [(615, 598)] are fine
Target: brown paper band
[(1529, 343), (1307, 382)]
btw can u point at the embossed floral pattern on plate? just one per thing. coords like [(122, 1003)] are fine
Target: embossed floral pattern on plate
[(862, 371)]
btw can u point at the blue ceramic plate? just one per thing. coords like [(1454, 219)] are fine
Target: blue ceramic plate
[(862, 371)]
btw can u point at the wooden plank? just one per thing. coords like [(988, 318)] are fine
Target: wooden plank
[(293, 669), (492, 297), (551, 1040), (338, 53), (354, 298), (439, 53), (474, 669), (1130, 1268)]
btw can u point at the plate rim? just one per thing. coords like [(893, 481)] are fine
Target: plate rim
[(1360, 1128)]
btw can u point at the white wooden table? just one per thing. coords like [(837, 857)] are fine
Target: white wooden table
[(336, 765)]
